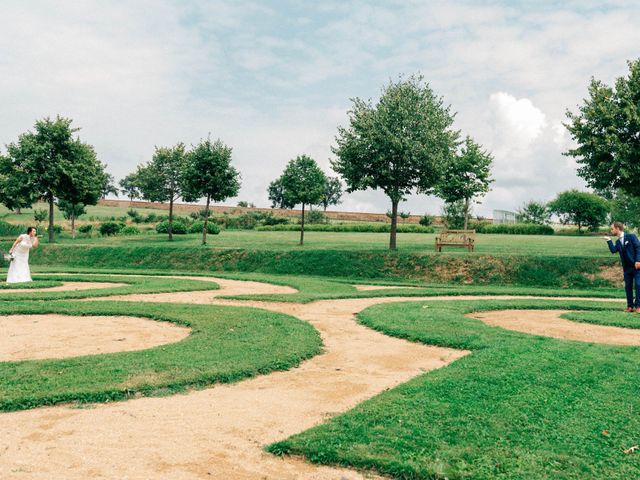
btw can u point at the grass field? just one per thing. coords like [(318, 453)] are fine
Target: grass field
[(518, 407)]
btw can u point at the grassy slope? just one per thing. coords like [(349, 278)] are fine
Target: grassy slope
[(518, 407), (216, 351)]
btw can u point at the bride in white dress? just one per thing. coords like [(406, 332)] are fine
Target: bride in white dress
[(19, 266)]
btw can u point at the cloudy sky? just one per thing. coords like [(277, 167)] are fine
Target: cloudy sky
[(273, 79)]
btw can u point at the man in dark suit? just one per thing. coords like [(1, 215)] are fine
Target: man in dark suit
[(628, 246)]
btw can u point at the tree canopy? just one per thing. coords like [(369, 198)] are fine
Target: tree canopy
[(580, 208), (208, 173), (398, 145), (466, 176), (607, 131), (534, 212)]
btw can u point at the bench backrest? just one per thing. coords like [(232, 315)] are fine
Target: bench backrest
[(457, 236)]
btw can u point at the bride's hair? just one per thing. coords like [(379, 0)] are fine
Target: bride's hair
[(29, 230)]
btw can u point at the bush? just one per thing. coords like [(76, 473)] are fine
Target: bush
[(57, 229), (135, 215), (350, 227), (110, 228), (316, 217), (453, 215), (9, 229), (212, 227), (86, 229), (516, 229), (426, 220), (130, 230), (178, 227)]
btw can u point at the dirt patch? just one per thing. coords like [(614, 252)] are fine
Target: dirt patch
[(66, 287), (548, 323), (36, 337), (611, 274)]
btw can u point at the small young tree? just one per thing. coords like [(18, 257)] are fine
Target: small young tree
[(129, 187), (159, 180), (398, 145), (108, 186), (16, 192), (71, 211), (53, 161), (302, 182), (454, 214), (332, 192), (208, 173), (404, 216), (580, 208), (534, 212), (466, 176)]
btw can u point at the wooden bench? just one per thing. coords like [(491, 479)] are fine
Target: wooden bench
[(456, 238)]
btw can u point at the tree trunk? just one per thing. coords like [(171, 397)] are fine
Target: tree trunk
[(18, 211), (466, 213), (206, 219), (302, 227), (73, 224), (51, 218), (394, 224), (171, 219)]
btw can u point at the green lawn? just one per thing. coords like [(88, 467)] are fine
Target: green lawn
[(518, 407), (216, 351), (407, 242)]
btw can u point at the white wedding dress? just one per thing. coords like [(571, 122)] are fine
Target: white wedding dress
[(19, 267)]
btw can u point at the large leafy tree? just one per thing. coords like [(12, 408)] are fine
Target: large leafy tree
[(16, 191), (466, 176), (580, 208), (607, 131), (277, 195), (301, 182), (332, 192), (129, 186), (160, 179), (54, 162), (208, 173), (534, 212), (398, 145)]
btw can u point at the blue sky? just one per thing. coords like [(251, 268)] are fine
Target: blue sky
[(273, 78)]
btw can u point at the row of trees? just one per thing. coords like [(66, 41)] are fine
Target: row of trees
[(204, 171)]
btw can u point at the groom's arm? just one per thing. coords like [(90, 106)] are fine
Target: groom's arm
[(613, 248)]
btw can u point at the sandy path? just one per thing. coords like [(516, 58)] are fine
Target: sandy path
[(549, 324), (65, 287), (219, 432), (35, 337)]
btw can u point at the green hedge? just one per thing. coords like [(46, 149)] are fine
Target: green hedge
[(10, 230), (349, 227), (539, 271), (177, 227), (516, 229), (212, 227)]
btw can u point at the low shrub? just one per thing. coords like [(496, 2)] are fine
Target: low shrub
[(57, 229), (9, 229), (178, 227), (515, 229), (350, 227), (130, 230), (316, 217), (110, 228), (212, 227), (135, 216), (426, 220), (85, 229)]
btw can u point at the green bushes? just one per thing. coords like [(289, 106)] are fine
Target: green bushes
[(110, 228), (57, 229), (515, 229), (10, 230), (212, 228), (251, 220), (178, 227), (315, 217), (350, 227), (85, 229), (427, 220), (130, 230)]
